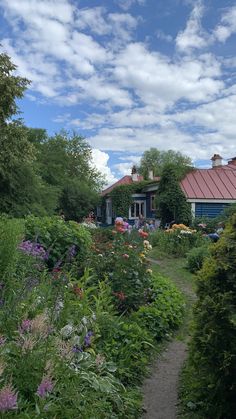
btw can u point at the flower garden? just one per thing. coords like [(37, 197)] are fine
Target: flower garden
[(82, 315)]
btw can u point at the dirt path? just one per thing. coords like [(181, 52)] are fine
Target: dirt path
[(160, 390)]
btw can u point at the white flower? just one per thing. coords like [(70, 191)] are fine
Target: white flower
[(67, 331)]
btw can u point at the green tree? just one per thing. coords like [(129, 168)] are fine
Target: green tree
[(211, 370), (77, 199), (11, 87), (170, 200), (156, 160)]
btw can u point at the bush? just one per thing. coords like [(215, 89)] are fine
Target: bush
[(196, 257), (176, 242), (210, 382), (165, 313), (61, 239)]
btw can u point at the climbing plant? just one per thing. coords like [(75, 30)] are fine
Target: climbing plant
[(122, 197)]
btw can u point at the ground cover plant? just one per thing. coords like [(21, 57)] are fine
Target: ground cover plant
[(75, 341)]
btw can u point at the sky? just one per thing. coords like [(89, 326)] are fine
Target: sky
[(128, 75)]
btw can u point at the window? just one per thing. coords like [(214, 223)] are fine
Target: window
[(137, 209), (152, 203)]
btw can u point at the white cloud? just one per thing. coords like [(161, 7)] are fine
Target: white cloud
[(163, 36), (126, 4), (228, 25), (100, 161), (159, 82), (125, 167), (193, 35)]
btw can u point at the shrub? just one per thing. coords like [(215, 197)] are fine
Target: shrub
[(196, 257), (165, 313), (210, 383), (176, 242), (60, 238)]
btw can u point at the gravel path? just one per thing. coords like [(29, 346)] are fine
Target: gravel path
[(160, 390)]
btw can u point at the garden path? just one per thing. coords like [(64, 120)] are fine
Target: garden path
[(160, 390)]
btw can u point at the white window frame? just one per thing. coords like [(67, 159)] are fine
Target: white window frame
[(138, 201)]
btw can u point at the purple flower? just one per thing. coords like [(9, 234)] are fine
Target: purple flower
[(2, 340), (45, 387), (33, 249), (77, 349), (87, 339), (8, 398), (25, 326)]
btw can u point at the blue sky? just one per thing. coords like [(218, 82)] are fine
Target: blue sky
[(128, 74)]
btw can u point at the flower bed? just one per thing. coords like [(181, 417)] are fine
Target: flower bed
[(65, 351)]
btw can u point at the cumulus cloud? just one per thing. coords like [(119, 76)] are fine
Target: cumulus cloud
[(126, 95), (100, 161)]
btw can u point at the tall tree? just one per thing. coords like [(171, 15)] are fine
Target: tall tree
[(170, 200), (11, 87), (156, 160)]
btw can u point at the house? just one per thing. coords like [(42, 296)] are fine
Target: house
[(208, 190)]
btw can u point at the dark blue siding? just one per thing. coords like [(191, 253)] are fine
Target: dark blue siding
[(210, 210), (149, 212)]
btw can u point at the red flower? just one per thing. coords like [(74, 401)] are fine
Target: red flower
[(56, 273), (143, 234), (120, 295), (78, 291)]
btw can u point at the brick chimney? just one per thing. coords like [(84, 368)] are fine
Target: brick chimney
[(216, 161), (232, 161), (134, 174)]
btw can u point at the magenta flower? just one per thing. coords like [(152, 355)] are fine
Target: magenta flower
[(8, 398), (45, 387)]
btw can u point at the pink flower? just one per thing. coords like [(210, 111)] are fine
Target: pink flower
[(45, 387), (8, 398), (125, 256)]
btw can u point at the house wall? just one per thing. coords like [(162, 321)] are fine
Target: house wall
[(149, 212), (207, 209)]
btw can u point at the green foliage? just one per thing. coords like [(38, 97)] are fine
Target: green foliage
[(58, 236), (77, 199), (62, 327), (176, 242), (209, 382), (156, 160), (170, 201), (165, 313), (122, 199), (11, 233), (11, 87), (196, 257)]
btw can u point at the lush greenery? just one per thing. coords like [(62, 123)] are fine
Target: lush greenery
[(209, 383), (39, 174), (156, 160), (75, 339), (122, 197), (171, 203), (178, 240)]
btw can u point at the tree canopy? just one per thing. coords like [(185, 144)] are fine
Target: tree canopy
[(41, 174), (156, 160), (11, 87)]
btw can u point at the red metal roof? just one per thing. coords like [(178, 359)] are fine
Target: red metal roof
[(215, 183)]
